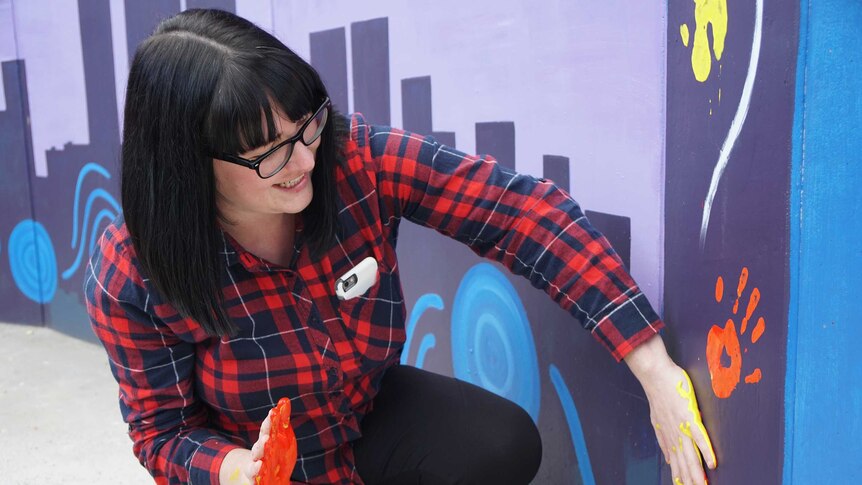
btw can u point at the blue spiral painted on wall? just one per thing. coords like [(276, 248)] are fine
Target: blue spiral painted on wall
[(33, 261), (492, 343)]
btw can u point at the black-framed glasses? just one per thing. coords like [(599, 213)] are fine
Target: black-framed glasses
[(275, 159)]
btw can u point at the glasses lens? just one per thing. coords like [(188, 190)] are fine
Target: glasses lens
[(315, 127), (275, 161)]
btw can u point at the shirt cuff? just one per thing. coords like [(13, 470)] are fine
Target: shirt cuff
[(627, 326), (207, 459)]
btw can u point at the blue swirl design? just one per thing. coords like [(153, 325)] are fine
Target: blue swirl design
[(492, 343), (429, 341), (88, 207), (33, 261), (574, 422)]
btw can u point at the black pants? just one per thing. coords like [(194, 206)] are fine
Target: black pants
[(430, 429)]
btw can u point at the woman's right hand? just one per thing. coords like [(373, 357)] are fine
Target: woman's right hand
[(241, 466)]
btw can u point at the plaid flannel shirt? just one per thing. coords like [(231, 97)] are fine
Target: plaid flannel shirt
[(189, 398)]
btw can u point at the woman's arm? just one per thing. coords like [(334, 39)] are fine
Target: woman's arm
[(529, 225), (154, 369)]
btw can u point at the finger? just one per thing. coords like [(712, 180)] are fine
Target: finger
[(700, 435), (258, 448), (692, 461), (701, 439), (252, 469), (676, 467), (267, 424), (659, 437), (684, 460)]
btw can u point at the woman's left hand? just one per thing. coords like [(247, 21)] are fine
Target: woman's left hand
[(673, 412)]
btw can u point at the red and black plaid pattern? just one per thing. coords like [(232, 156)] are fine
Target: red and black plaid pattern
[(190, 398)]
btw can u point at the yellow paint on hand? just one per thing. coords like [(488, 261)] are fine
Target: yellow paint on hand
[(677, 481), (683, 32), (685, 428), (695, 412), (673, 449), (658, 426), (235, 475), (708, 12)]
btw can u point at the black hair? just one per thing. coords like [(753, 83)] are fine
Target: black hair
[(200, 85)]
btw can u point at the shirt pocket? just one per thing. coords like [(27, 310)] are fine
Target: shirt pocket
[(374, 321)]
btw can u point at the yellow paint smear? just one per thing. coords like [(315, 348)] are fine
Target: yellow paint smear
[(683, 32), (233, 476), (677, 481), (692, 406), (706, 13)]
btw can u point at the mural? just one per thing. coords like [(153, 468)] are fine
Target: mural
[(674, 135), (480, 330)]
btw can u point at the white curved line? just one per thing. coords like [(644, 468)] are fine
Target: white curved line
[(736, 124)]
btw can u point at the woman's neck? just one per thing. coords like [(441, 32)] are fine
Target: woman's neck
[(270, 237)]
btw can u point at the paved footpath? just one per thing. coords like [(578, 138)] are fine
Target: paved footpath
[(59, 417)]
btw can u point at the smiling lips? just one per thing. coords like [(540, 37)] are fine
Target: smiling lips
[(292, 183)]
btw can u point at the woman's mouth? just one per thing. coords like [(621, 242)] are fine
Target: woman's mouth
[(292, 184)]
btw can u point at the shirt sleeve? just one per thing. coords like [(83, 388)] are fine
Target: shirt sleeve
[(155, 372), (531, 226)]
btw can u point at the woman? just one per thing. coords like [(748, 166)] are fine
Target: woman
[(245, 199)]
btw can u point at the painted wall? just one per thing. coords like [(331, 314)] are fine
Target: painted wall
[(730, 84), (671, 124)]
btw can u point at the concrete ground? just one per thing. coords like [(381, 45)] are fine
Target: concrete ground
[(59, 417)]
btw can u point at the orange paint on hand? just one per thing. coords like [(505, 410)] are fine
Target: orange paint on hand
[(758, 330), (754, 377), (724, 379), (279, 453)]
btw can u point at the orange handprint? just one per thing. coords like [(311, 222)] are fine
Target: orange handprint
[(719, 340)]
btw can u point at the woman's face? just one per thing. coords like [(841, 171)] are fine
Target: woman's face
[(243, 196)]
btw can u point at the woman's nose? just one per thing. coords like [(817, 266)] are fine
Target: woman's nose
[(302, 157)]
